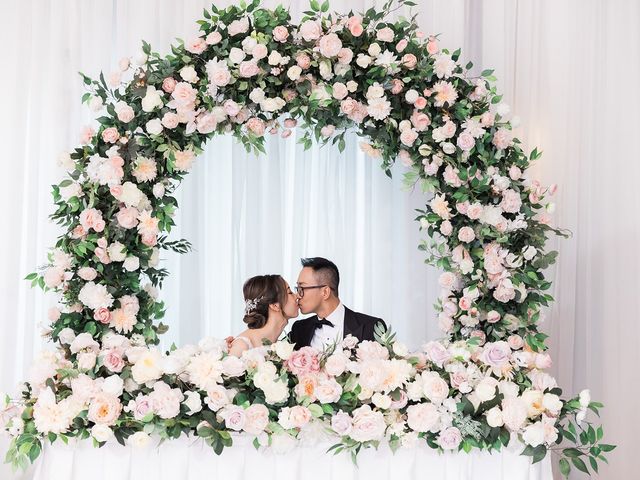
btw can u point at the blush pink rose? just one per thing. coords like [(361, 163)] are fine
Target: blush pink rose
[(420, 103), (280, 33), (420, 121), (385, 34), (409, 61), (110, 135), (128, 217), (169, 84), (432, 46), (113, 360), (401, 45), (248, 69), (170, 120), (354, 24), (303, 361), (256, 126), (196, 45), (396, 86), (408, 137), (450, 438), (87, 273), (102, 315), (330, 45), (303, 60), (496, 354)]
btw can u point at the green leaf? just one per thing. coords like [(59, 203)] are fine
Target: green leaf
[(580, 465), (565, 468)]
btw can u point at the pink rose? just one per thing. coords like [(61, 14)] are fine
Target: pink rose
[(104, 409), (401, 45), (127, 217), (87, 273), (256, 126), (465, 303), (124, 112), (303, 361), (474, 211), (543, 361), (345, 55), (330, 45), (169, 84), (409, 61), (437, 353), (53, 314), (86, 135), (140, 407), (280, 33), (231, 108), (354, 24), (496, 354), (341, 423), (511, 201), (503, 138), (480, 335), (432, 46), (110, 135), (91, 218), (450, 438), (213, 38), (367, 424), (184, 94), (408, 136), (206, 123), (327, 130), (348, 106), (170, 120), (196, 45), (466, 234), (113, 360), (340, 91), (310, 30), (515, 342), (299, 416), (234, 417), (238, 26), (385, 35), (303, 60), (420, 121), (422, 417), (466, 141), (256, 419), (249, 69), (396, 86), (420, 103)]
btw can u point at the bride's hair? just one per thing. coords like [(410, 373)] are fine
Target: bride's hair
[(260, 292)]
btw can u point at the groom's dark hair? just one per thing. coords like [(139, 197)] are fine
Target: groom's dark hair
[(325, 270)]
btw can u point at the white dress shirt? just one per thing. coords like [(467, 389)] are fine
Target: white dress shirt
[(326, 335)]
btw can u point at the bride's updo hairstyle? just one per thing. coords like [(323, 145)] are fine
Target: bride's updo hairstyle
[(260, 292)]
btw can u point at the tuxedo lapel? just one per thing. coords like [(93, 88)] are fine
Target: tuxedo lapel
[(308, 331), (352, 325)]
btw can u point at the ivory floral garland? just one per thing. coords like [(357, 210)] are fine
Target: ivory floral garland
[(253, 72)]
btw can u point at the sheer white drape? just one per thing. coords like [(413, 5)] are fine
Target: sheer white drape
[(568, 69)]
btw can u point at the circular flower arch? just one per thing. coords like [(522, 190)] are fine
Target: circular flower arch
[(252, 73)]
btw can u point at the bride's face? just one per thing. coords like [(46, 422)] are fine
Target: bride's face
[(290, 309)]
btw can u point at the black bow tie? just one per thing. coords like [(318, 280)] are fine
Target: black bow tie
[(317, 323)]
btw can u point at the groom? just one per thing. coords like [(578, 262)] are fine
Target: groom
[(317, 292)]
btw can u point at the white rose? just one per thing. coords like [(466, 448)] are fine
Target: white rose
[(585, 398), (534, 434), (66, 336), (363, 61), (381, 401), (276, 392), (400, 349), (374, 50), (486, 389), (154, 127), (117, 252), (151, 100), (236, 55), (193, 402), (113, 385), (131, 264), (189, 74), (411, 96), (352, 86), (293, 73), (283, 349), (494, 417), (257, 95), (529, 252), (139, 439), (232, 366), (552, 403), (101, 433)]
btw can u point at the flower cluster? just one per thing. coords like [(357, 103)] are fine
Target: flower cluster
[(251, 73)]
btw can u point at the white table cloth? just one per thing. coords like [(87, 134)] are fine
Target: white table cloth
[(192, 459)]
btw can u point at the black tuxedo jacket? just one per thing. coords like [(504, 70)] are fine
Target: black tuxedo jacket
[(357, 324)]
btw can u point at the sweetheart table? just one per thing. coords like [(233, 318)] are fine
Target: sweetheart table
[(191, 459)]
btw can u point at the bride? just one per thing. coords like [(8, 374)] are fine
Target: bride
[(269, 304)]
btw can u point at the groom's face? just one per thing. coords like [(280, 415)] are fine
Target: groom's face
[(312, 298)]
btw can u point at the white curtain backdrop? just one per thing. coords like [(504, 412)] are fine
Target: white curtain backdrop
[(569, 69)]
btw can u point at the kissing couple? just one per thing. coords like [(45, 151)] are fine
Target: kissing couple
[(270, 304)]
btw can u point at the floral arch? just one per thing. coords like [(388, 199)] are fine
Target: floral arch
[(250, 73)]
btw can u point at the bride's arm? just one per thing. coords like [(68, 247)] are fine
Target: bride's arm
[(237, 348)]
